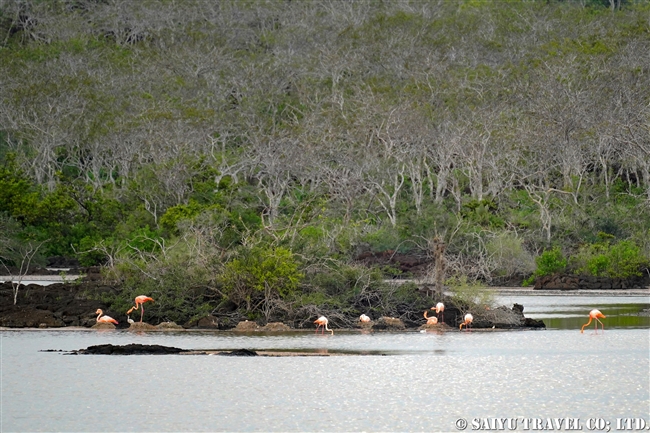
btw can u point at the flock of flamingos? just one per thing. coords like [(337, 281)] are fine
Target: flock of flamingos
[(139, 304), (322, 321)]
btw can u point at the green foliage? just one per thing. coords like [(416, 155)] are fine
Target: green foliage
[(382, 239), (178, 282), (125, 142), (18, 195), (623, 259), (549, 262), (482, 213), (469, 294), (506, 250), (344, 287), (259, 273), (175, 214), (15, 250)]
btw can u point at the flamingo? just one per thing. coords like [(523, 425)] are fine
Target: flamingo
[(440, 309), (363, 318), (468, 320), (139, 303), (128, 318), (322, 321), (594, 314), (104, 319), (430, 320)]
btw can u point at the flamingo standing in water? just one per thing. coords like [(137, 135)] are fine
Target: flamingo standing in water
[(139, 303), (363, 318), (430, 320), (322, 321), (594, 315), (104, 319), (440, 310), (468, 321)]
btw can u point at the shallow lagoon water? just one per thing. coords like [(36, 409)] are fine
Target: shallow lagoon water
[(569, 312), (422, 382)]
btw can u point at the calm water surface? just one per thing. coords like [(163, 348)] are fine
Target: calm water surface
[(425, 382)]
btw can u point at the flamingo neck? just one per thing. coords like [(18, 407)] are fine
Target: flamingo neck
[(585, 325)]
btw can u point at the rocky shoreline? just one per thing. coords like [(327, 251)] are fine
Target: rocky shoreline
[(65, 306), (580, 282)]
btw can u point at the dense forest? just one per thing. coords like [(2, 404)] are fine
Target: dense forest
[(248, 154)]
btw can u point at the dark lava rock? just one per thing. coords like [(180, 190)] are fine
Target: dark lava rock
[(207, 322), (129, 349), (533, 323), (26, 316), (239, 352), (582, 282), (56, 305)]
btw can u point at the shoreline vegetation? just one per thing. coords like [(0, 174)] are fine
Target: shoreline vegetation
[(71, 306), (274, 162)]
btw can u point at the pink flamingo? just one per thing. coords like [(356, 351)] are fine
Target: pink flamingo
[(363, 318), (104, 319), (468, 321), (440, 310), (139, 303), (322, 321), (430, 320), (594, 315)]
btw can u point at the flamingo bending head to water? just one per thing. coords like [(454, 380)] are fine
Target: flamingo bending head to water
[(594, 315), (139, 303), (322, 321), (430, 320), (104, 319), (468, 321)]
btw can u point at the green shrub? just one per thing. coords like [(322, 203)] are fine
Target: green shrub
[(382, 239), (626, 260), (621, 260), (551, 262), (548, 263), (178, 289), (467, 294), (510, 258), (260, 273)]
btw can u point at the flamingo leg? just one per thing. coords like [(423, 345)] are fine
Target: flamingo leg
[(141, 312)]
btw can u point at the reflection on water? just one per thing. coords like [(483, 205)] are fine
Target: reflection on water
[(571, 312), (429, 381)]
